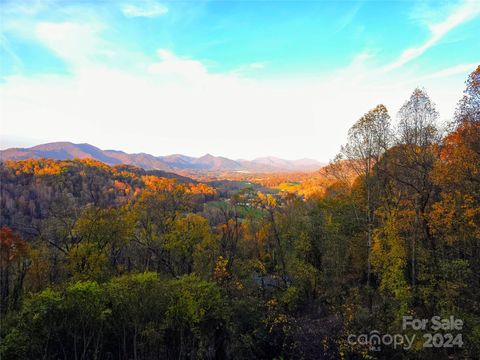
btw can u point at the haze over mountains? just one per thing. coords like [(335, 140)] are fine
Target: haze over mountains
[(208, 162)]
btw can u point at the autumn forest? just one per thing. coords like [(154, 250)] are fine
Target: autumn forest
[(116, 262)]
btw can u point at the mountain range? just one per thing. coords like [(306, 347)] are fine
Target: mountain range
[(176, 162)]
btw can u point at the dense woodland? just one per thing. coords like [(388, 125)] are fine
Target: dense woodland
[(101, 262)]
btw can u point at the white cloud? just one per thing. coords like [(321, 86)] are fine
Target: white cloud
[(172, 65), (174, 104), (203, 112), (146, 9), (249, 69), (466, 11), (257, 65)]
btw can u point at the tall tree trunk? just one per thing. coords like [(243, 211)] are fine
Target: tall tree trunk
[(135, 356)]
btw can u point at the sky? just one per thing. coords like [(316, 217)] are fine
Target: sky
[(241, 79)]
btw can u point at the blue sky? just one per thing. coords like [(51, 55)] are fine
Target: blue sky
[(234, 78)]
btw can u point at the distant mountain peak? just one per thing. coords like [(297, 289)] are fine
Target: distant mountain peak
[(67, 150)]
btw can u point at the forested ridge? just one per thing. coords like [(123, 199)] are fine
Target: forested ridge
[(101, 262)]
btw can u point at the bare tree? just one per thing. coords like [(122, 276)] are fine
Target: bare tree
[(368, 139), (468, 109), (417, 144)]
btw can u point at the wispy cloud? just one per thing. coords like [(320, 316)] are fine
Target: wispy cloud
[(75, 43), (28, 8), (466, 11), (348, 17), (145, 9), (451, 71), (257, 65), (6, 47), (249, 69)]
